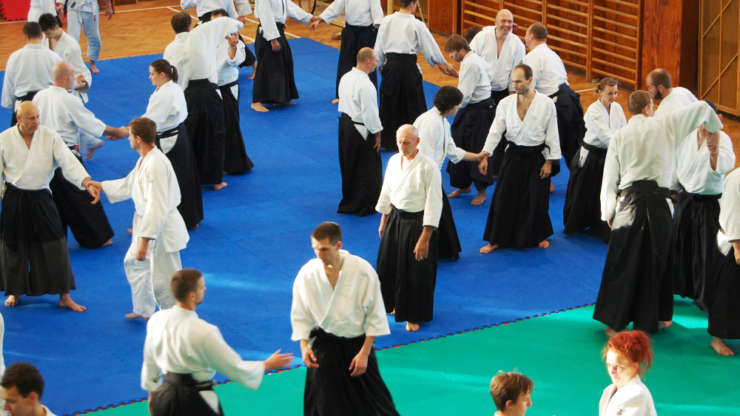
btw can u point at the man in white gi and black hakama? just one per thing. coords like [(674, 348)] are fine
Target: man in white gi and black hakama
[(400, 36), (551, 80), (519, 215), (724, 309), (187, 351), (31, 232), (411, 204), (274, 82), (359, 138), (660, 86), (28, 70), (361, 21), (635, 201), (582, 208), (336, 314), (473, 120), (158, 231), (437, 144), (175, 52)]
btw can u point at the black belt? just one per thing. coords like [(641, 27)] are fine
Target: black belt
[(645, 186), (406, 58), (524, 149), (405, 214), (359, 28), (350, 119), (203, 82), (28, 97), (187, 380), (700, 197), (484, 103), (230, 84), (171, 132), (321, 334), (592, 148)]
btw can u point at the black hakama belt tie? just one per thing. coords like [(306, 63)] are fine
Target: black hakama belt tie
[(724, 309), (571, 126), (449, 243), (26, 97), (355, 38), (274, 82), (31, 231), (330, 390), (401, 96), (361, 168), (179, 395), (519, 216), (181, 158), (634, 285), (236, 160), (407, 284), (582, 208), (206, 130), (469, 131)]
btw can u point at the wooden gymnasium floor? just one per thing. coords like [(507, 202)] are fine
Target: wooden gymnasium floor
[(143, 28)]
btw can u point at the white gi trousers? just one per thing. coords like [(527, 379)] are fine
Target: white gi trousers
[(89, 22)]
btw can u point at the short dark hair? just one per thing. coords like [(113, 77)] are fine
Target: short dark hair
[(144, 128), (638, 100), (328, 230), (181, 22), (539, 31), (455, 43), (184, 282), (48, 21), (164, 66), (25, 378), (446, 98), (405, 3), (509, 386), (219, 12), (470, 32), (660, 76), (526, 69), (32, 30), (606, 82)]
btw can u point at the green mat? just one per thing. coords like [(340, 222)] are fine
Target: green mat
[(560, 352)]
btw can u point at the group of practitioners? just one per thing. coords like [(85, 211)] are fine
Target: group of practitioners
[(655, 188)]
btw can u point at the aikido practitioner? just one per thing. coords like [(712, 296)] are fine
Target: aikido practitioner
[(411, 204), (660, 86), (28, 70), (158, 232), (182, 353), (582, 209), (336, 314), (635, 203), (274, 82), (174, 52), (473, 119), (436, 143), (400, 37), (519, 215), (33, 244), (64, 113), (361, 21), (359, 138)]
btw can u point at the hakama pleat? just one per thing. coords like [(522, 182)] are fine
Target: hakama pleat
[(571, 126), (31, 232), (274, 82), (401, 96), (724, 308), (180, 395), (205, 124), (361, 168), (634, 285), (494, 162), (406, 283), (519, 215), (582, 208), (331, 391), (355, 38), (236, 160), (449, 243), (191, 198), (469, 131)]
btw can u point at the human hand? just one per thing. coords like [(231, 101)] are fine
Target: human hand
[(142, 249), (93, 188), (358, 366), (109, 10), (309, 358), (546, 169), (448, 69), (233, 40), (277, 360), (377, 142), (315, 22), (275, 45), (483, 166), (81, 82), (421, 249), (119, 133)]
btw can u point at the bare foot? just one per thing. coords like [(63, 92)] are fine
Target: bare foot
[(335, 101), (479, 199), (91, 152), (552, 187), (65, 301), (720, 347), (108, 243), (412, 327), (220, 186), (254, 71), (543, 244), (258, 107), (458, 191), (290, 103), (393, 312), (11, 301), (336, 36), (610, 332), (488, 248), (133, 315), (130, 230), (664, 324), (94, 69)]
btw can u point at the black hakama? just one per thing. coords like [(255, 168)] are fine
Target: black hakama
[(181, 159), (274, 82), (724, 308), (88, 222), (179, 395), (494, 162), (519, 215), (331, 391), (31, 231), (582, 207), (236, 160), (27, 97), (205, 125), (449, 243), (634, 285), (401, 96), (406, 283), (571, 126), (355, 38), (469, 131), (362, 170), (694, 252)]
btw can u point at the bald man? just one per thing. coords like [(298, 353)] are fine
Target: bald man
[(33, 245)]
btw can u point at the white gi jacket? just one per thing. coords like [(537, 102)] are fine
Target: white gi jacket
[(435, 139), (358, 98), (729, 212), (175, 54), (69, 50), (679, 98), (356, 12), (600, 126), (65, 113), (500, 64), (167, 109), (228, 68), (633, 399), (201, 47), (270, 12), (694, 172), (473, 81), (548, 71), (416, 186), (39, 7), (204, 6), (28, 69), (404, 33)]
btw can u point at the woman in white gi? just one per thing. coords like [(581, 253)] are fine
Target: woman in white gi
[(627, 356), (159, 232)]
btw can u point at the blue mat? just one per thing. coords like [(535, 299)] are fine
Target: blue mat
[(254, 239)]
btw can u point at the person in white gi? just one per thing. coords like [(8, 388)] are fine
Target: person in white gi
[(187, 351), (158, 232), (628, 355), (203, 8), (511, 393), (22, 388), (336, 314), (86, 14), (660, 86), (40, 7), (174, 52)]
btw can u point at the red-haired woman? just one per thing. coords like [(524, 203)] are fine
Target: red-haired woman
[(627, 356)]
